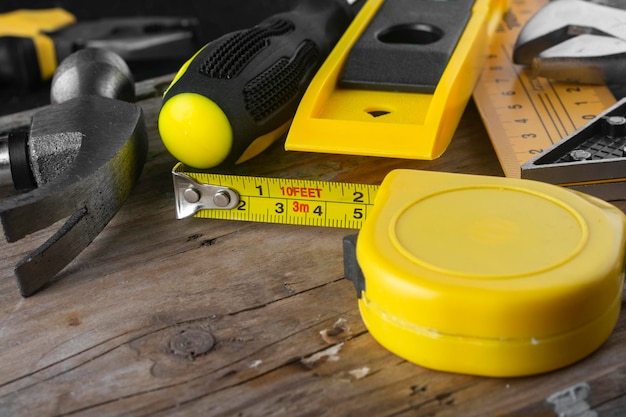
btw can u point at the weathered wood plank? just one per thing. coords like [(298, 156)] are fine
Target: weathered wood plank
[(198, 317)]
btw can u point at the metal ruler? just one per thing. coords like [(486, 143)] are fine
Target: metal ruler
[(271, 200), (525, 115)]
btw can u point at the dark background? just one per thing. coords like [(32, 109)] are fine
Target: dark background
[(216, 18)]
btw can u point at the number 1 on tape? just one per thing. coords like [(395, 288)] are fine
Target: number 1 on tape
[(271, 200)]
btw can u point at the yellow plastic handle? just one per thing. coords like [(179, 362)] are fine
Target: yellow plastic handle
[(33, 24)]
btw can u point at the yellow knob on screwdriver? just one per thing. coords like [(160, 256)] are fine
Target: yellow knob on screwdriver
[(194, 129)]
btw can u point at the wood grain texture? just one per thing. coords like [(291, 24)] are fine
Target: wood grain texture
[(197, 317)]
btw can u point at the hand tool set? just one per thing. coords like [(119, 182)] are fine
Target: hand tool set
[(526, 114), (492, 267), (580, 42), (460, 273)]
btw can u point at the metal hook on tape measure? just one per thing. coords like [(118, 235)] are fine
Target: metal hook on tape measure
[(192, 196)]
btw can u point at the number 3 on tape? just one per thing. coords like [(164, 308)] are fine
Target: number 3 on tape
[(271, 200)]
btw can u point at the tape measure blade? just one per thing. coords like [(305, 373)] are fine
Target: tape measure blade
[(291, 201), (524, 115)]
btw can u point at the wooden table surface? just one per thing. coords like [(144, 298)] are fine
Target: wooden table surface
[(197, 317)]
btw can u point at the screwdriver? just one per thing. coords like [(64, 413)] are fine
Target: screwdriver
[(238, 94)]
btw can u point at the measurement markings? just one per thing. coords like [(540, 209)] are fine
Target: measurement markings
[(525, 115), (523, 80), (564, 107), (292, 201), (546, 105)]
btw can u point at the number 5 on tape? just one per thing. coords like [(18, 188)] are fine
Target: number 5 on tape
[(271, 200)]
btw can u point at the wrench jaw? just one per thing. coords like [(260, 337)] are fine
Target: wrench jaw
[(529, 46), (586, 59), (88, 193), (575, 41)]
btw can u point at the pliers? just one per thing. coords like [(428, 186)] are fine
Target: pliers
[(33, 42), (576, 41)]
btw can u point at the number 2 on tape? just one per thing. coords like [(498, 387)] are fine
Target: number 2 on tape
[(271, 200)]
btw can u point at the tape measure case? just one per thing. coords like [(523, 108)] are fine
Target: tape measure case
[(489, 276)]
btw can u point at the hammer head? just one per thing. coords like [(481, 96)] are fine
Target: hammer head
[(106, 146), (92, 72)]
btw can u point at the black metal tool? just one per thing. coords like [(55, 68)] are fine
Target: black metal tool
[(592, 159), (80, 159), (576, 41)]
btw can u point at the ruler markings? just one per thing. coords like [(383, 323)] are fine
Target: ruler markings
[(564, 106), (550, 115), (534, 90), (292, 201), (522, 115), (525, 115)]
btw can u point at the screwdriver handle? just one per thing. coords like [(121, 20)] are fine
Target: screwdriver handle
[(239, 93), (19, 66)]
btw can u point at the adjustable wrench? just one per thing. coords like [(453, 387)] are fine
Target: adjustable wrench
[(576, 41)]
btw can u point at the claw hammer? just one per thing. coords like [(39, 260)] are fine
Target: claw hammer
[(78, 160)]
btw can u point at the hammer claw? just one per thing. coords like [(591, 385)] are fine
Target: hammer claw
[(42, 264)]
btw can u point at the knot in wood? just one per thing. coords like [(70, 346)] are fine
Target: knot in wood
[(191, 343)]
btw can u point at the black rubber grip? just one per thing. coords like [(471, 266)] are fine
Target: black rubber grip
[(257, 76), (19, 67), (20, 161), (407, 46)]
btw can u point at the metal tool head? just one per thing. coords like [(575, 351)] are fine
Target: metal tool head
[(132, 38), (592, 159), (89, 192), (92, 71), (86, 184), (575, 41)]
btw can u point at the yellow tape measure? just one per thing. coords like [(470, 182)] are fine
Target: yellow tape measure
[(440, 252), (271, 200), (525, 115)]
